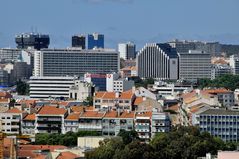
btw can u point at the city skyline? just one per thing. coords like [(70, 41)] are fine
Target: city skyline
[(129, 20)]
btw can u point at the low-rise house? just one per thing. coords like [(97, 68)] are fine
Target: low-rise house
[(160, 122), (72, 122), (29, 125), (143, 125)]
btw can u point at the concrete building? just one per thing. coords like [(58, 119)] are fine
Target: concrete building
[(127, 50), (98, 80), (143, 125), (220, 123), (9, 55), (71, 122), (95, 40), (234, 63), (11, 121), (220, 70), (50, 87), (80, 90), (32, 40), (62, 62), (50, 119), (194, 65), (159, 61), (29, 125), (160, 122), (78, 41)]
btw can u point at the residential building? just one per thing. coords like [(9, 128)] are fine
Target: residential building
[(80, 90), (160, 122), (220, 123), (78, 41), (91, 121), (29, 124), (128, 72), (9, 54), (220, 70), (50, 119), (32, 40), (50, 87), (71, 122), (114, 100), (11, 121), (95, 40), (234, 63), (159, 61), (127, 50), (75, 62), (143, 125), (114, 121), (194, 65)]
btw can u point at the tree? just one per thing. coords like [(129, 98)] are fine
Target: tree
[(128, 136), (22, 88)]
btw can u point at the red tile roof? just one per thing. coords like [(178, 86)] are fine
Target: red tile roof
[(144, 114), (127, 114), (138, 100), (30, 117), (126, 95), (52, 110), (99, 94), (14, 110), (92, 114), (73, 116), (111, 114), (41, 147), (5, 95), (66, 155)]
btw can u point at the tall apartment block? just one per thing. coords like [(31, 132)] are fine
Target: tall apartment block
[(194, 65), (78, 41), (32, 40), (127, 50), (159, 61), (72, 62), (234, 63), (95, 40)]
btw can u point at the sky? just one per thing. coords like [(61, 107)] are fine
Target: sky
[(139, 21)]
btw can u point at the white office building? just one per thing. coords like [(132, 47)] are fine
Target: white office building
[(159, 61), (234, 63), (127, 50), (50, 87), (194, 65), (62, 62), (220, 70)]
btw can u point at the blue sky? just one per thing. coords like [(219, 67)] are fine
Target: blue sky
[(140, 21)]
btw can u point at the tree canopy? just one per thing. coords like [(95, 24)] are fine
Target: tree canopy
[(180, 143), (22, 88)]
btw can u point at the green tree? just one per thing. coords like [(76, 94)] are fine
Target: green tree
[(128, 136), (22, 88)]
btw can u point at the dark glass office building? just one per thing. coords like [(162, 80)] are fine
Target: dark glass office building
[(95, 40), (78, 41), (32, 40)]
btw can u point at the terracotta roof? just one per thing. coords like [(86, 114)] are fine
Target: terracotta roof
[(92, 114), (111, 114), (41, 147), (126, 95), (73, 116), (109, 95), (4, 100), (174, 107), (14, 110), (216, 91), (5, 95), (66, 155), (127, 114), (30, 117), (52, 110), (99, 94), (144, 114), (81, 108), (138, 100)]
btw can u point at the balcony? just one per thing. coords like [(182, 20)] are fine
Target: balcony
[(142, 124)]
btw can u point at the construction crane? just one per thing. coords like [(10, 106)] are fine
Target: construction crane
[(1, 140)]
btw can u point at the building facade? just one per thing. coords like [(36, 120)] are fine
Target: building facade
[(127, 50), (80, 90), (9, 55), (50, 87), (220, 70), (60, 62), (159, 61), (234, 63), (78, 41), (95, 40), (194, 65)]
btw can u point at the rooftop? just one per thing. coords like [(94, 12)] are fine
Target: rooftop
[(52, 110), (220, 112)]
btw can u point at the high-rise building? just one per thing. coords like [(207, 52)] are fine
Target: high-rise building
[(234, 63), (95, 40), (194, 65), (32, 40), (159, 61), (74, 62), (9, 55), (127, 50), (78, 41)]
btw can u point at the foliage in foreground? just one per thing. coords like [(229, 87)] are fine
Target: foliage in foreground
[(180, 143), (68, 139)]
